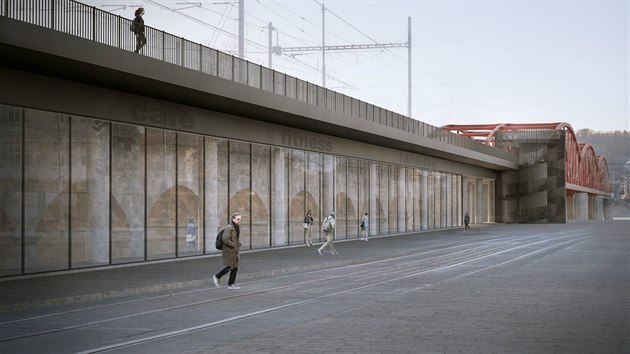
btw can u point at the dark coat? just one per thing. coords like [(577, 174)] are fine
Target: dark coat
[(138, 25), (231, 247)]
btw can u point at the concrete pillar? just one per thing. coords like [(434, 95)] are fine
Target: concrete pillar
[(570, 208), (444, 189), (402, 201), (598, 207), (608, 209), (424, 201), (477, 215), (581, 206)]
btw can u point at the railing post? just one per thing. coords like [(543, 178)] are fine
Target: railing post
[(6, 8), (52, 13), (183, 55), (163, 46), (200, 57), (94, 23)]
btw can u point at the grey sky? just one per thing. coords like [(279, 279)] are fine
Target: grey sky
[(473, 61)]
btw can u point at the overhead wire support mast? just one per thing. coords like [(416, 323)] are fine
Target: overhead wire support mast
[(280, 50)]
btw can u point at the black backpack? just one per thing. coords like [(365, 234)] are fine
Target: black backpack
[(219, 241), (132, 27)]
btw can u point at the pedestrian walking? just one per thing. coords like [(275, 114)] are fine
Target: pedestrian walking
[(230, 250), (138, 29), (191, 235), (364, 227), (466, 221), (328, 226), (308, 229)]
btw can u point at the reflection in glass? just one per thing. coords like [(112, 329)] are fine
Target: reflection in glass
[(393, 199), (261, 196), (383, 200), (216, 189), (89, 192), (313, 195), (279, 196), (46, 187), (297, 198), (341, 198), (127, 202), (189, 193), (352, 205), (161, 190), (240, 196), (10, 191), (364, 190)]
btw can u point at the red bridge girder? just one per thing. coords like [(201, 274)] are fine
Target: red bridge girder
[(583, 166)]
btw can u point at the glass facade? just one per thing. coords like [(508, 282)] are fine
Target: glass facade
[(78, 192)]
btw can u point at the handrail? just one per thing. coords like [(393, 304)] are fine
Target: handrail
[(78, 19)]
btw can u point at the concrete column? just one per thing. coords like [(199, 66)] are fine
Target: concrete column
[(581, 206), (598, 207), (402, 201), (446, 202), (477, 215), (608, 209), (430, 201), (424, 199), (570, 208)]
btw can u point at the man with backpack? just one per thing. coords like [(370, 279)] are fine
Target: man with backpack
[(328, 226), (230, 249)]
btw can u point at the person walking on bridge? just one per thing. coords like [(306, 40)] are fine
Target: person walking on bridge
[(138, 29)]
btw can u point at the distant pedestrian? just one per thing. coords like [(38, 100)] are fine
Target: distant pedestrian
[(308, 229), (466, 221), (365, 227), (138, 22), (231, 248), (191, 235), (328, 226)]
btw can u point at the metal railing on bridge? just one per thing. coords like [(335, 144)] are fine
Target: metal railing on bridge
[(88, 22)]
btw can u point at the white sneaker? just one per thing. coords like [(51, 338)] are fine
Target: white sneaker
[(234, 287), (215, 280)]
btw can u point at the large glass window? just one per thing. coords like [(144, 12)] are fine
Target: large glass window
[(189, 193), (10, 191), (89, 203), (313, 191), (417, 198), (240, 183), (364, 191), (341, 197), (352, 191), (261, 195), (297, 200), (127, 201), (409, 198), (393, 199), (383, 215), (46, 191), (161, 193), (279, 196), (328, 187), (216, 189)]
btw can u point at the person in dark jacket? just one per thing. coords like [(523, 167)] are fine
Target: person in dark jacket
[(138, 22), (308, 228), (231, 248), (466, 221)]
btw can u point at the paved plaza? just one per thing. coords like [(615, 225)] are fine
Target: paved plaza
[(559, 288)]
